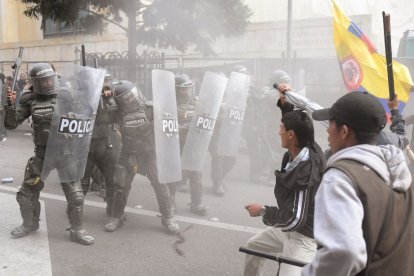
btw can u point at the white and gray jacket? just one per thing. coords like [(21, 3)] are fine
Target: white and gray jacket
[(339, 212)]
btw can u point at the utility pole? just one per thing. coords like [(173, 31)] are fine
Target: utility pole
[(289, 37)]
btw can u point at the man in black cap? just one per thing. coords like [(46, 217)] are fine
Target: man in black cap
[(363, 210)]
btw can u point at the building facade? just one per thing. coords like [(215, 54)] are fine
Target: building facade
[(263, 45)]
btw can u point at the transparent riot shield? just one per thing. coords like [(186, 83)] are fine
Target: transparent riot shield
[(2, 103), (167, 144), (2, 96), (72, 122), (233, 114), (202, 124)]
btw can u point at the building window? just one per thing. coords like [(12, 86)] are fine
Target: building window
[(53, 29)]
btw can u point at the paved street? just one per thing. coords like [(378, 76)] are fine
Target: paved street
[(140, 246)]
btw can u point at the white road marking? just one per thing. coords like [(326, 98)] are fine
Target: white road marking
[(26, 256), (221, 225)]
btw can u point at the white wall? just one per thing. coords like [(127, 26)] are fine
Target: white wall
[(401, 11)]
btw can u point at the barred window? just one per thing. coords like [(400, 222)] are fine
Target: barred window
[(53, 29)]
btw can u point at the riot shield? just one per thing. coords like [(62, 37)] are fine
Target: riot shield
[(2, 96), (2, 103), (72, 122), (233, 114), (167, 144), (202, 124)]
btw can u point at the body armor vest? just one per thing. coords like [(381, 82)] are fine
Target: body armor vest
[(42, 113), (103, 118), (137, 134), (185, 116)]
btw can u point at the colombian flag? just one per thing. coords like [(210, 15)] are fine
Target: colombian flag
[(363, 69)]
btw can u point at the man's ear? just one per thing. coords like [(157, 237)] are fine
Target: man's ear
[(344, 132)]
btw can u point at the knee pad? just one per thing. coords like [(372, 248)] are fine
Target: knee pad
[(32, 174), (119, 195), (73, 192), (24, 198), (77, 199), (120, 175), (28, 200)]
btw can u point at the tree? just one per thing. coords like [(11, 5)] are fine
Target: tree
[(178, 24)]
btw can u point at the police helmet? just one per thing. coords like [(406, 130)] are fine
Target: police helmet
[(128, 97), (183, 88), (279, 77), (183, 80), (44, 79), (240, 69)]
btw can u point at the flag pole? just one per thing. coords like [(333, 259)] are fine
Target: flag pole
[(388, 53)]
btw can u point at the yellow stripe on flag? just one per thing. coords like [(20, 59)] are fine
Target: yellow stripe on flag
[(363, 69)]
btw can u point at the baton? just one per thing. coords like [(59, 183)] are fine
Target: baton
[(388, 53), (279, 259), (16, 66)]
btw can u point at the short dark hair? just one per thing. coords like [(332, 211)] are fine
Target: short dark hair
[(361, 136), (9, 78), (300, 122)]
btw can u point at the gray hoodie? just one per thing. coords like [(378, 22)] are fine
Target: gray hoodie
[(339, 211)]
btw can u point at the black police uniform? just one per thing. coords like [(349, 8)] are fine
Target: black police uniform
[(40, 103), (137, 156)]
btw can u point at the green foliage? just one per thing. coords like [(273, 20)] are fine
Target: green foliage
[(159, 23)]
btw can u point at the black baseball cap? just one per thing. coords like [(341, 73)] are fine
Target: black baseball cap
[(359, 110)]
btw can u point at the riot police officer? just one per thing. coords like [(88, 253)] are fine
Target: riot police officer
[(186, 103), (137, 156), (260, 126), (40, 102), (3, 99), (221, 165), (100, 155)]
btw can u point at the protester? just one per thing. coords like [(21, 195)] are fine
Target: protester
[(291, 231), (396, 135), (363, 210)]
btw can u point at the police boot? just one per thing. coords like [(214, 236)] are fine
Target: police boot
[(74, 194), (81, 236), (218, 188), (196, 205), (117, 216), (172, 189), (30, 211), (109, 206), (77, 232), (170, 224), (164, 202), (217, 175), (114, 223)]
